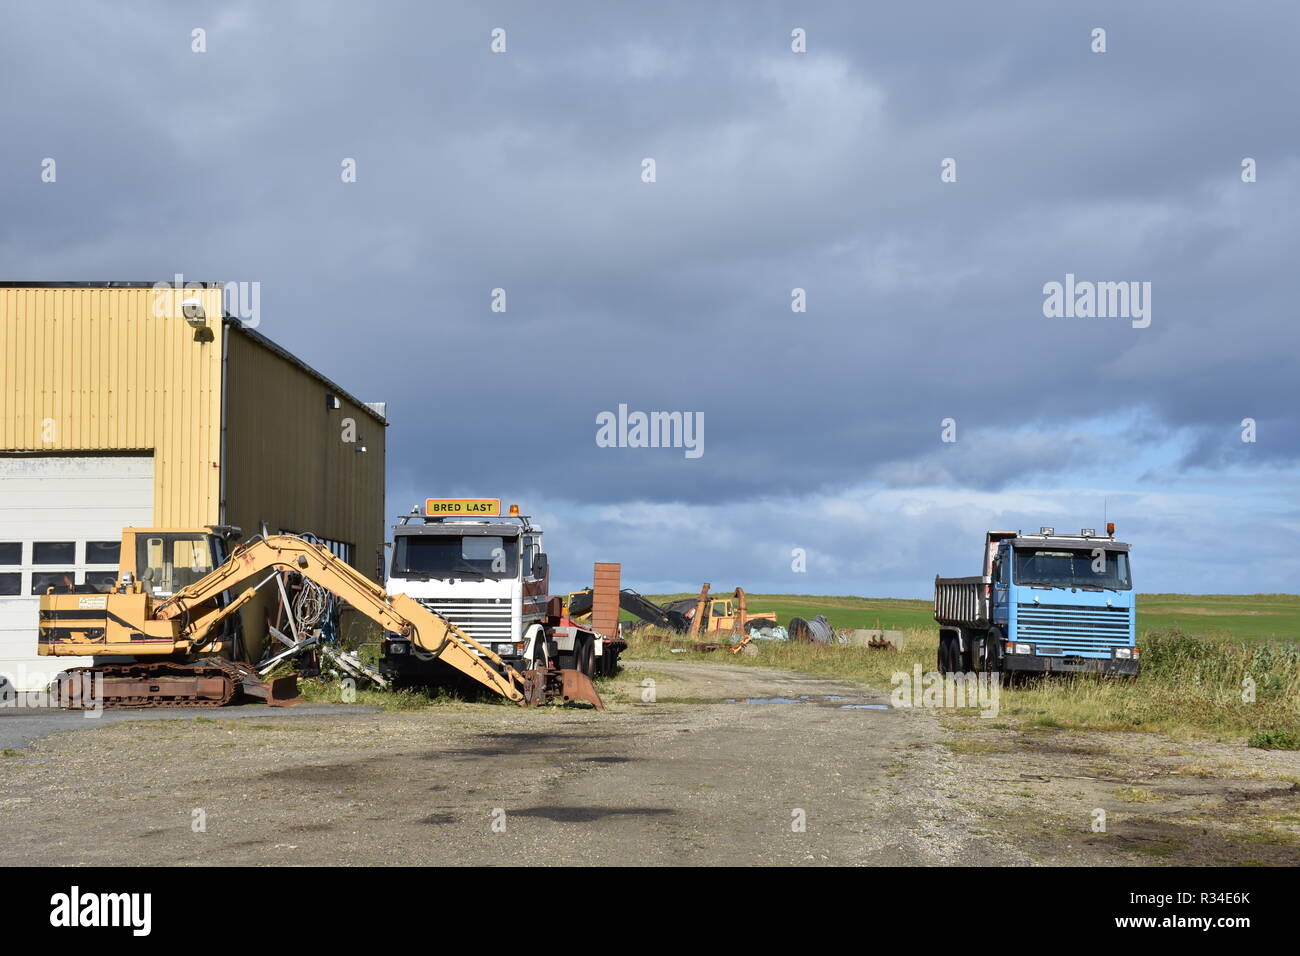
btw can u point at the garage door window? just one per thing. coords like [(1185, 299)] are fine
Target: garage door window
[(11, 553), (103, 552), (11, 583), (54, 552), (59, 580), (101, 581)]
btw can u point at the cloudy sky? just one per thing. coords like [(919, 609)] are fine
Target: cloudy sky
[(774, 170)]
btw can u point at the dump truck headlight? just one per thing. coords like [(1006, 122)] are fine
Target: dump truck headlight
[(1024, 649), (1124, 653)]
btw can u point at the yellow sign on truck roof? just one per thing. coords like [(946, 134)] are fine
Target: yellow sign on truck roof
[(462, 506)]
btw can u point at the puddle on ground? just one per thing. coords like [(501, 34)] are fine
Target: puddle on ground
[(823, 700), (764, 700)]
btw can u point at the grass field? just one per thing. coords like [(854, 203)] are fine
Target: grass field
[(1243, 617), (1249, 617), (1197, 651)]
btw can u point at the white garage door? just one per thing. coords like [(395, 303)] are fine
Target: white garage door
[(61, 520)]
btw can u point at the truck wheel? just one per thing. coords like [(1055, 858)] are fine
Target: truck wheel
[(992, 657), (949, 653), (584, 653), (971, 657)]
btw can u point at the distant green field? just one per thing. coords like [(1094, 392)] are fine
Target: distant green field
[(1243, 617), (1248, 617), (840, 611)]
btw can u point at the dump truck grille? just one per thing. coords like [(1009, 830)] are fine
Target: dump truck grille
[(487, 620), (1064, 629)]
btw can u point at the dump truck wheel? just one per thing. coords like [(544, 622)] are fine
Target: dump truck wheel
[(993, 652), (949, 654), (970, 658)]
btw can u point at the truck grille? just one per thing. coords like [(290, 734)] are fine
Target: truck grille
[(1073, 630), (487, 620)]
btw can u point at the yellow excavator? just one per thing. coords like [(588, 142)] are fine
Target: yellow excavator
[(159, 635), (724, 615)]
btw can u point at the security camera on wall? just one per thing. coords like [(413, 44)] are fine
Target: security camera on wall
[(194, 313), (197, 318)]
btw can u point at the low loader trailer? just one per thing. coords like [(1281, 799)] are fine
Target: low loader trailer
[(1045, 603)]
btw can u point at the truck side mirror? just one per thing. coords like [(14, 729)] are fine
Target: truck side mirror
[(539, 565)]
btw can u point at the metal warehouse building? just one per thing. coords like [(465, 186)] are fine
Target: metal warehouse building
[(139, 404)]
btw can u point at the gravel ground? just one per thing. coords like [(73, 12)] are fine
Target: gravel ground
[(713, 771)]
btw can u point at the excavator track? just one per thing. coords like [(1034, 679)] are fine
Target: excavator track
[(210, 682)]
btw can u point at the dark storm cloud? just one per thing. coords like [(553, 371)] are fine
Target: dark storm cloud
[(775, 171)]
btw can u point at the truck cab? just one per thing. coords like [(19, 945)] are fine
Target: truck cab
[(487, 574), (1046, 602)]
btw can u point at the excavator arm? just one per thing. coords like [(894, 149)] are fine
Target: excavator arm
[(393, 612), (160, 644), (699, 617)]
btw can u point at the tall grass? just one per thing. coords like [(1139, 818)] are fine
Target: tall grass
[(1188, 686)]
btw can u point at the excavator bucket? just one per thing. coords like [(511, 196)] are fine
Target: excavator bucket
[(575, 685), (281, 692), (544, 686)]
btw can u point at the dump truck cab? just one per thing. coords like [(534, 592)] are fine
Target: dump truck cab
[(1046, 602), (484, 572)]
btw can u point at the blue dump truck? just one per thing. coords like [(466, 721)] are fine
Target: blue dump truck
[(1046, 603)]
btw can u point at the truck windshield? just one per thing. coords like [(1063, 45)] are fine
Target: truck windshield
[(453, 556), (1072, 568)]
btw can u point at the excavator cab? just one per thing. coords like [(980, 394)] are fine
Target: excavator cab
[(166, 561)]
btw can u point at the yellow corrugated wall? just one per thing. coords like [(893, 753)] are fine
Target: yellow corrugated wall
[(111, 369), (109, 374)]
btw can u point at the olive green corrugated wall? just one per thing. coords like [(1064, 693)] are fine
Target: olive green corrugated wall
[(288, 462)]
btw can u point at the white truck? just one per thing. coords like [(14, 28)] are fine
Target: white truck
[(489, 575)]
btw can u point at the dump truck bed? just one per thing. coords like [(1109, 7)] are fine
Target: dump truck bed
[(962, 601)]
